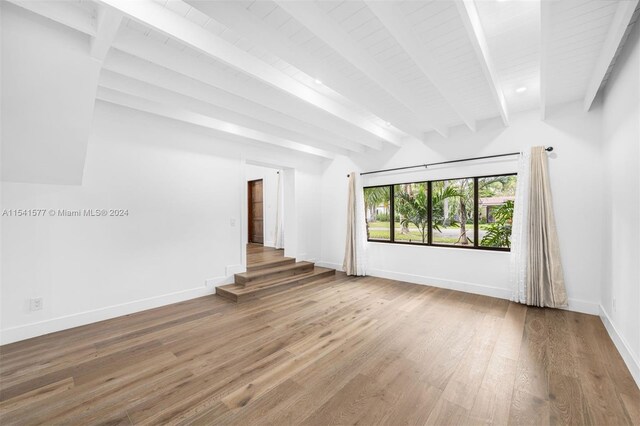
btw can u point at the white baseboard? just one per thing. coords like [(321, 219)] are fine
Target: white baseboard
[(621, 344), (211, 283), (27, 331), (439, 282), (329, 265), (575, 305), (583, 306), (304, 257)]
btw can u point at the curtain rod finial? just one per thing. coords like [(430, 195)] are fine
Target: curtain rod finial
[(549, 149)]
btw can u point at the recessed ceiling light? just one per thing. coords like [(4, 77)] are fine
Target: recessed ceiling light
[(521, 89), (318, 81), (387, 124)]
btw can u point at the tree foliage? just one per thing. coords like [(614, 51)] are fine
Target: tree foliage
[(374, 197), (412, 208), (499, 232), (440, 194)]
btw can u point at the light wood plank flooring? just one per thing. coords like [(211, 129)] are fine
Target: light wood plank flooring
[(338, 351)]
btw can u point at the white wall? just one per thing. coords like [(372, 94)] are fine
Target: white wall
[(182, 187), (308, 208), (621, 130), (576, 175), (269, 178)]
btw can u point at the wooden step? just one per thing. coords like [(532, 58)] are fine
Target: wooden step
[(240, 293), (267, 274), (271, 263)]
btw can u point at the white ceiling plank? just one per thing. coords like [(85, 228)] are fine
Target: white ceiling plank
[(193, 35), (192, 67), (108, 23), (235, 17), (124, 99), (138, 69), (316, 21), (395, 22), (545, 33), (161, 95), (471, 21), (64, 13), (621, 19)]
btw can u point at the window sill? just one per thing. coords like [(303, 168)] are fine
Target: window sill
[(402, 243)]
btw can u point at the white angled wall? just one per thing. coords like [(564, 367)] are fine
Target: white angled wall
[(183, 188), (621, 198), (49, 88), (576, 174)]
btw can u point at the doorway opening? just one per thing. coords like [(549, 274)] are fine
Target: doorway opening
[(255, 208), (270, 194)]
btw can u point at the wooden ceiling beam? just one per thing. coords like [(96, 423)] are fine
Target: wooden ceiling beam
[(149, 50), (108, 23), (618, 27), (138, 69), (235, 17), (400, 29), (65, 13), (323, 27), (162, 95), (471, 20), (145, 105), (196, 37)]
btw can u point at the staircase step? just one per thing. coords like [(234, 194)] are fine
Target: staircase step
[(240, 293), (271, 263), (267, 274)]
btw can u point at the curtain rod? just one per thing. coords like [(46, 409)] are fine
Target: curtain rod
[(549, 149)]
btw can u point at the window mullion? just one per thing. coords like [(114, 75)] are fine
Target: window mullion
[(429, 214), (392, 219), (476, 225)]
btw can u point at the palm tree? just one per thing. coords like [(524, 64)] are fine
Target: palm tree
[(374, 197), (440, 195), (413, 207)]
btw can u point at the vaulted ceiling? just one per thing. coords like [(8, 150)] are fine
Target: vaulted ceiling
[(341, 77)]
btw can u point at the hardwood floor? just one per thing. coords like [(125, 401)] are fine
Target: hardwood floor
[(338, 351)]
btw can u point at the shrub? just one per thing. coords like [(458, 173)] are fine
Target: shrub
[(382, 217)]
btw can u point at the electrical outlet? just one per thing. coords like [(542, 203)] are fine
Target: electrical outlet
[(232, 222), (35, 304), (613, 303)]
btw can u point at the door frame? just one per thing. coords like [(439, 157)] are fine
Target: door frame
[(250, 211), (288, 174)]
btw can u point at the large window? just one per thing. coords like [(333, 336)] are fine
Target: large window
[(468, 212)]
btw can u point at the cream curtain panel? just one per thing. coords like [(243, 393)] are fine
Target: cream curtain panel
[(354, 253), (537, 278), (545, 278)]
